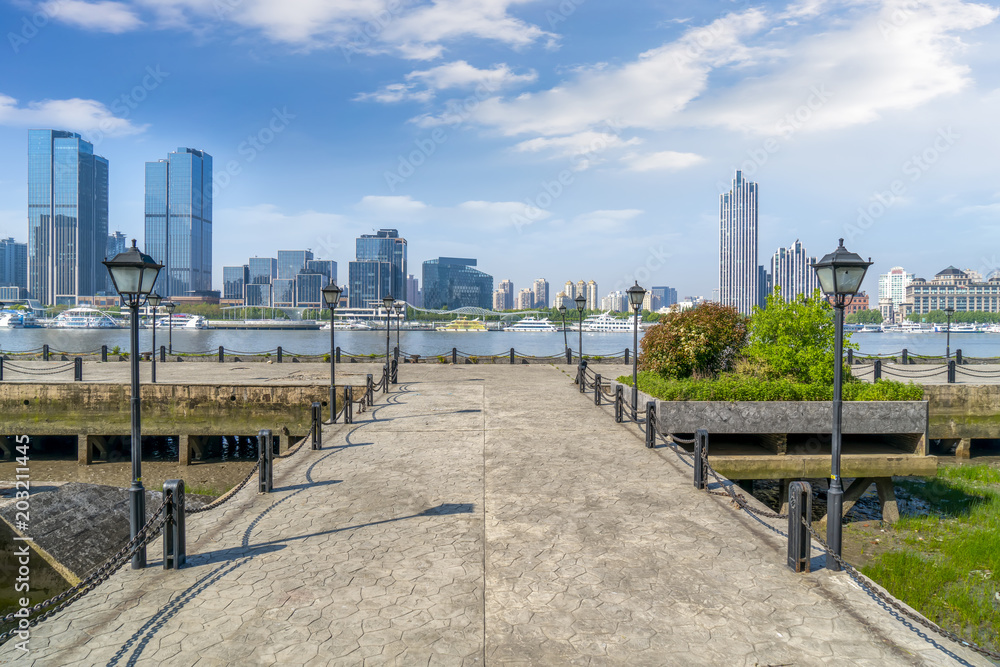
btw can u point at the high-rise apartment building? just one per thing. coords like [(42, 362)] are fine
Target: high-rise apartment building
[(616, 301), (593, 300), (451, 282), (413, 296), (570, 289), (892, 285), (525, 299), (506, 288), (541, 287), (563, 299), (498, 299), (378, 270), (739, 273), (179, 221), (67, 217), (581, 288), (292, 262), (14, 265), (791, 270)]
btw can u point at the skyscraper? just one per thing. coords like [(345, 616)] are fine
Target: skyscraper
[(234, 282), (893, 285), (593, 299), (451, 282), (117, 243), (324, 267), (506, 289), (525, 299), (292, 262), (179, 221), (663, 296), (413, 296), (738, 268), (379, 269), (791, 270), (570, 289), (541, 287), (67, 217), (14, 265)]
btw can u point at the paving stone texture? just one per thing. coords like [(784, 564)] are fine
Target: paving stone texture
[(481, 515)]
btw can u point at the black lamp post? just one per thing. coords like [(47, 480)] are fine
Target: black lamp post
[(154, 300), (840, 274), (387, 302), (331, 295), (133, 275), (169, 306), (562, 311), (949, 311), (636, 295), (581, 303)]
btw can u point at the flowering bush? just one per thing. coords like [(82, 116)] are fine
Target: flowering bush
[(702, 342)]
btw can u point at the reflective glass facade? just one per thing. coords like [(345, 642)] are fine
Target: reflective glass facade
[(262, 270), (451, 282), (13, 264), (380, 269), (291, 262), (325, 267), (308, 290), (117, 243), (67, 217), (283, 292), (179, 221), (259, 294), (234, 281)]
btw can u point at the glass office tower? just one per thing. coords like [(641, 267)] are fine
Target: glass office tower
[(14, 265), (179, 221), (380, 269), (291, 263), (451, 282), (67, 217), (234, 282)]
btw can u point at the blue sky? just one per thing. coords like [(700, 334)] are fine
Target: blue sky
[(560, 139)]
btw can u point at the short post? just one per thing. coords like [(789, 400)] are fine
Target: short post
[(395, 353), (877, 371), (850, 357), (958, 358), (905, 357), (626, 356), (265, 448), (78, 369), (163, 353), (348, 406), (174, 544), (104, 353), (1, 369), (799, 516), (371, 389), (569, 356), (581, 375), (951, 371), (650, 424), (222, 354), (338, 354), (45, 352), (317, 423), (597, 389), (512, 356), (700, 454), (454, 355), (279, 354)]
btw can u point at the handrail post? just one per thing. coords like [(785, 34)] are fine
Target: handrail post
[(951, 371), (569, 355), (905, 357), (700, 454), (317, 423), (78, 369), (650, 424), (581, 375), (958, 357), (626, 356), (619, 399), (799, 516), (597, 389), (174, 542), (45, 352), (222, 354), (454, 355), (279, 354), (850, 357), (104, 353), (265, 449), (338, 354), (163, 353), (1, 369), (371, 389), (512, 356), (877, 371), (395, 371), (349, 405)]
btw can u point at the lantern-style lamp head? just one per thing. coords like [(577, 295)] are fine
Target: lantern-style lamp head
[(154, 299), (169, 306), (133, 274), (949, 310), (636, 295), (387, 301), (562, 307), (331, 294), (840, 273), (581, 302)]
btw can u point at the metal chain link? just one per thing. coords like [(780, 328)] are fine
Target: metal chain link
[(227, 495)]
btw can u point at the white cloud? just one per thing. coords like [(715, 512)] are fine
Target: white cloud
[(395, 209), (662, 160), (113, 17), (87, 117), (422, 85), (321, 232)]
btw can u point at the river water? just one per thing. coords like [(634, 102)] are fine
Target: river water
[(433, 343)]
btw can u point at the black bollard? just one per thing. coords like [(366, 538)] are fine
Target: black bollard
[(174, 543), (799, 516), (619, 400), (581, 375), (1, 369), (163, 353), (45, 352), (511, 355), (905, 358), (349, 406), (569, 355), (78, 369), (265, 450), (597, 389), (877, 371), (958, 357), (279, 354), (700, 454), (951, 371), (338, 355), (850, 357), (371, 389), (626, 356), (222, 354), (454, 355), (317, 424), (104, 353), (650, 424)]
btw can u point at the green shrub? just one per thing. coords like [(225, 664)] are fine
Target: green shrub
[(703, 341)]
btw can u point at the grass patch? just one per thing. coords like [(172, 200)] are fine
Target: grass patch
[(947, 565), (732, 387)]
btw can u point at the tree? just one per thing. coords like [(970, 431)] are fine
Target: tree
[(865, 317), (793, 339), (703, 341)]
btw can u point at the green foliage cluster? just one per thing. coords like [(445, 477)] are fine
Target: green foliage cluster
[(734, 387), (703, 341), (865, 317), (971, 317)]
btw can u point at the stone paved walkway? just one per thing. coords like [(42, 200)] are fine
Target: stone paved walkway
[(480, 514)]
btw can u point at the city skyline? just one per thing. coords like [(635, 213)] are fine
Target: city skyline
[(524, 130)]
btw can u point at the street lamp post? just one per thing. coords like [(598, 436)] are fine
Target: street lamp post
[(840, 275), (387, 301), (636, 295), (154, 300), (562, 311), (133, 275), (949, 311), (581, 303), (331, 294), (169, 306)]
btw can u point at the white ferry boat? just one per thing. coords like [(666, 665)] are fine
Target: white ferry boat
[(84, 317), (346, 325), (532, 324), (958, 328), (607, 323), (18, 319), (182, 321)]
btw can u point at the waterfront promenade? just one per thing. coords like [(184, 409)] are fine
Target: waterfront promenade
[(479, 515)]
